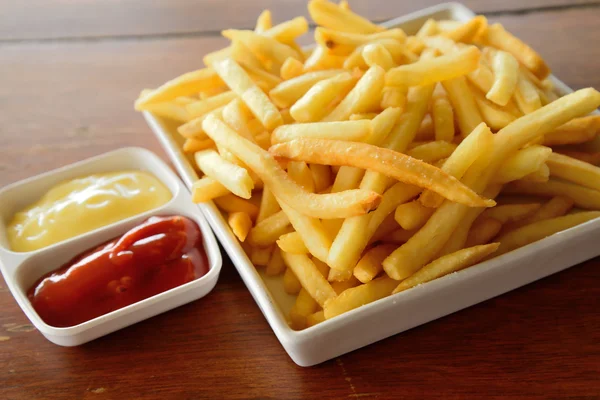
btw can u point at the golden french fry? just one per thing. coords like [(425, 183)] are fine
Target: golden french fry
[(321, 175), (288, 92), (578, 130), (321, 59), (339, 276), (276, 265), (496, 36), (522, 163), (377, 54), (263, 22), (170, 110), (340, 286), (302, 308), (384, 161), (265, 80), (246, 58), (291, 284), (335, 205), (483, 231), (193, 145), (464, 105), (428, 71), (268, 205), (193, 129), (322, 97), (231, 204), (292, 243), (260, 256), (343, 130), (412, 215), (429, 28), (311, 230), (494, 116), (468, 31), (442, 114), (288, 31), (184, 85), (588, 157), (206, 189), (476, 145), (299, 172), (291, 68), (310, 277), (333, 16), (240, 83), (369, 266), (510, 212), (482, 78), (583, 197), (538, 230), (506, 76), (201, 107), (573, 170), (315, 318), (447, 264), (240, 223), (526, 95), (359, 296), (393, 96), (399, 52), (235, 178), (364, 97), (431, 152), (555, 207), (267, 231)]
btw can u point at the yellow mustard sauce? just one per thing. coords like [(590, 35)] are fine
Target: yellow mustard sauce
[(81, 205)]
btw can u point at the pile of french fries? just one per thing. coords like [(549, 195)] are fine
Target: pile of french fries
[(369, 164)]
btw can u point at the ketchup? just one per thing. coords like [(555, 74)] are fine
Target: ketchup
[(160, 254)]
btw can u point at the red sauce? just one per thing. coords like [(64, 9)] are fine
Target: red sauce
[(158, 255)]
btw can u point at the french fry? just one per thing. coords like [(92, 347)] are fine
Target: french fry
[(369, 266), (193, 128), (315, 318), (339, 287), (276, 265), (393, 96), (240, 223), (483, 231), (311, 230), (322, 97), (578, 130), (242, 54), (494, 116), (343, 43), (399, 52), (588, 157), (428, 71), (496, 36), (231, 204), (442, 114), (542, 174), (522, 163), (194, 145), (291, 284), (429, 28), (342, 130), (364, 97), (287, 32), (336, 205), (170, 110), (526, 95), (385, 228), (464, 105), (260, 256), (506, 76), (330, 15), (385, 161), (321, 59), (555, 207), (263, 22), (431, 152), (539, 230), (268, 205), (236, 179), (299, 172), (447, 264), (583, 197), (412, 215), (265, 80), (240, 83), (292, 243), (359, 296), (291, 68), (339, 276), (468, 31), (201, 107), (302, 308), (267, 231), (310, 277), (184, 85), (482, 78), (321, 175), (511, 212), (573, 170), (206, 189), (288, 92), (377, 54)]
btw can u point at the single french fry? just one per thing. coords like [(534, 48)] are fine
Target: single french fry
[(267, 231), (442, 114), (310, 277), (299, 172), (201, 107), (542, 174), (339, 276), (377, 54), (506, 76), (246, 58), (276, 265), (431, 152), (426, 132), (291, 68), (506, 213), (263, 22), (291, 284), (468, 31), (170, 110), (240, 83), (393, 96), (231, 204), (268, 205), (206, 189), (573, 170), (588, 157), (527, 97), (194, 145), (304, 306), (265, 80), (538, 230), (447, 264), (369, 266), (494, 116), (184, 85), (311, 230), (315, 318), (482, 78), (358, 296), (428, 71), (292, 243), (464, 105), (236, 179), (496, 36), (483, 231), (330, 15), (320, 59), (342, 130), (429, 28), (336, 205), (322, 97), (523, 163), (578, 130), (288, 92), (364, 96), (412, 215), (321, 175), (555, 207), (287, 32), (583, 197), (476, 145), (340, 286), (399, 52), (193, 128), (240, 223), (260, 256)]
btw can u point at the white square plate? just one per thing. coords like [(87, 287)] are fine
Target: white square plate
[(404, 310)]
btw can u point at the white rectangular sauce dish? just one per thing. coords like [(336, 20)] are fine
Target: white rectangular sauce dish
[(22, 270), (405, 310)]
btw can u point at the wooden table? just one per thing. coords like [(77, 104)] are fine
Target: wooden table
[(69, 73)]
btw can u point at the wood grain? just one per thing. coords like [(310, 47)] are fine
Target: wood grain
[(47, 19), (64, 101)]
